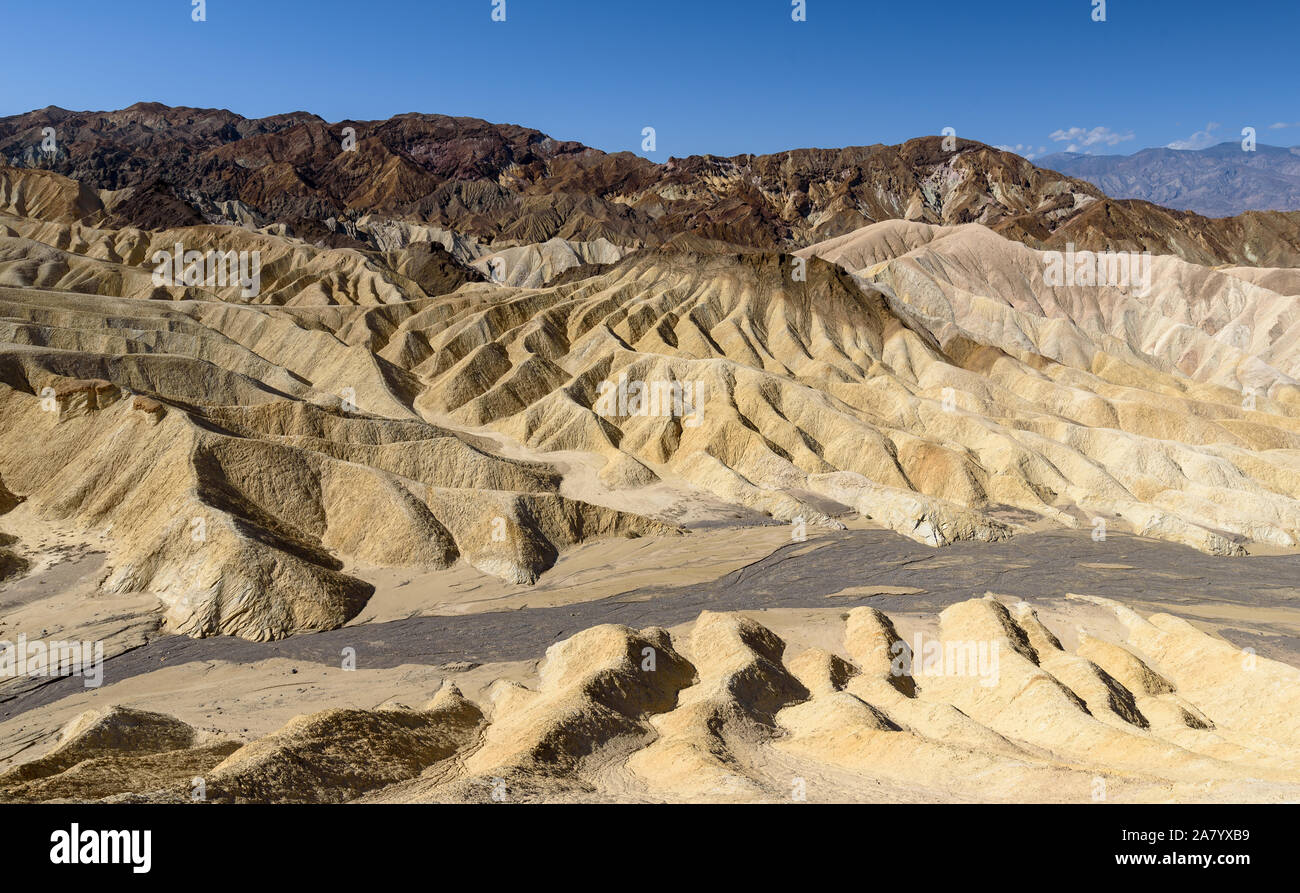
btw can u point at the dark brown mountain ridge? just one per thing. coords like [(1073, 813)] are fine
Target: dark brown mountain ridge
[(507, 184)]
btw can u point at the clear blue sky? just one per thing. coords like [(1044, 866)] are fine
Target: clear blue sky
[(719, 76)]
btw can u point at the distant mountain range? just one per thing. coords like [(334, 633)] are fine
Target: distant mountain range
[(1221, 181)]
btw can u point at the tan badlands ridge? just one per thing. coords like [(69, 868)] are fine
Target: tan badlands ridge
[(1152, 709), (242, 454)]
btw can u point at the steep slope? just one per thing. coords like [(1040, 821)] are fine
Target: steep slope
[(237, 457), (830, 387)]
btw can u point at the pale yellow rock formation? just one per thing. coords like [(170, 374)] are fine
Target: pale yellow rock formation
[(1145, 709)]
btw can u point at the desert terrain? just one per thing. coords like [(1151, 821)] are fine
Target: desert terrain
[(499, 468)]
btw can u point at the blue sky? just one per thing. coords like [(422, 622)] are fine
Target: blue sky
[(711, 76)]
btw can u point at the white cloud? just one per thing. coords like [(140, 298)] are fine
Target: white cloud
[(1081, 139), (1282, 125), (1201, 139), (1024, 151)]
